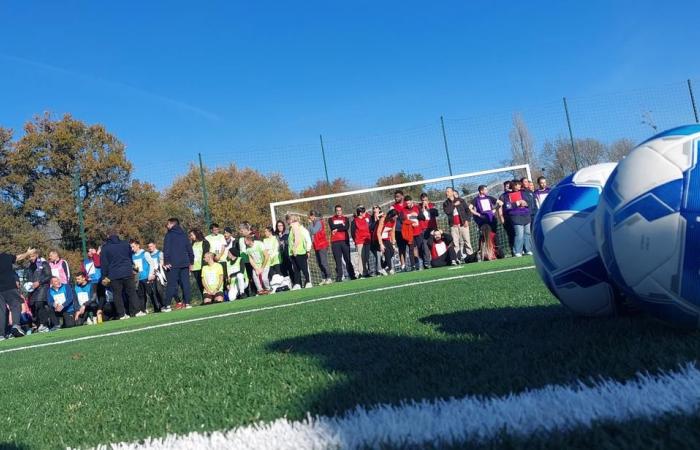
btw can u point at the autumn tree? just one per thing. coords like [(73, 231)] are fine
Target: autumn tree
[(403, 177), (234, 195)]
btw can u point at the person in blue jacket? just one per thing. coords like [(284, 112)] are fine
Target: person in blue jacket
[(118, 272), (64, 302), (178, 257)]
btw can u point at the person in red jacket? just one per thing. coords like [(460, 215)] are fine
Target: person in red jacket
[(319, 240), (340, 245), (442, 249), (410, 213), (399, 205), (385, 231), (360, 232)]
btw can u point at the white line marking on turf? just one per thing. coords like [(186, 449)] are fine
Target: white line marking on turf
[(459, 421), (265, 308)]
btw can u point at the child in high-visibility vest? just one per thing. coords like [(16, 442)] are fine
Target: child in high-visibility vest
[(212, 279)]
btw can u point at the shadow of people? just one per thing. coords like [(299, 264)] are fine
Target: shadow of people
[(484, 352)]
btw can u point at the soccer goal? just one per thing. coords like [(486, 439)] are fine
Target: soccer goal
[(383, 196)]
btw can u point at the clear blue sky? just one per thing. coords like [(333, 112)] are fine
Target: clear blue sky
[(226, 78)]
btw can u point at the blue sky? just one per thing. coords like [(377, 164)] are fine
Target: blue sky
[(257, 82)]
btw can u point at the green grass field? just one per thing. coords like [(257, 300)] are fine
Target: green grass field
[(489, 334)]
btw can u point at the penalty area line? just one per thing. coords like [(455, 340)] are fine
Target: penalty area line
[(264, 308), (458, 422)]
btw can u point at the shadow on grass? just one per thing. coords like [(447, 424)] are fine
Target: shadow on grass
[(12, 446), (486, 352)]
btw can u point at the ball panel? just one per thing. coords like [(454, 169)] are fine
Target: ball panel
[(643, 170)]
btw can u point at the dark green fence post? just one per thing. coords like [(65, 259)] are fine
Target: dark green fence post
[(447, 149), (207, 217), (692, 100), (79, 209), (571, 134), (325, 170)]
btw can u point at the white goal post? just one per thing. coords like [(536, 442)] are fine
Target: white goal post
[(273, 205)]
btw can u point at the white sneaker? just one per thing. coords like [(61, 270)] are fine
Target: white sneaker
[(329, 281), (140, 314), (166, 309), (518, 255), (124, 317), (528, 253), (309, 285), (382, 272), (296, 287), (391, 272), (188, 306)]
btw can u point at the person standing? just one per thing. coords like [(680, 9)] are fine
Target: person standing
[(458, 219), (59, 267), (541, 192), (399, 205), (317, 230), (200, 247), (10, 298), (299, 248), (361, 235), (259, 258), (428, 223), (272, 245), (340, 244), (146, 276), (92, 267), (118, 272), (387, 240), (282, 234), (159, 283), (516, 207), (178, 258)]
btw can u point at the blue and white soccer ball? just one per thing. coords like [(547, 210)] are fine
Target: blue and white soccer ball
[(648, 225), (566, 251)]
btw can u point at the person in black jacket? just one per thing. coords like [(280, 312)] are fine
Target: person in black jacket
[(458, 218), (9, 293), (40, 275), (178, 258), (118, 271)]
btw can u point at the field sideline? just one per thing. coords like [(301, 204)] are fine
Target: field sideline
[(363, 343)]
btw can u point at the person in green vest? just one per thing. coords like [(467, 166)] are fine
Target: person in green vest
[(272, 245), (244, 230), (299, 248), (212, 279), (259, 258), (200, 247)]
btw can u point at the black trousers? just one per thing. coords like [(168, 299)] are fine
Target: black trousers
[(197, 274), (300, 264), (44, 314), (341, 252), (510, 232), (388, 255), (144, 290), (444, 259), (252, 289), (11, 300), (68, 319), (125, 286)]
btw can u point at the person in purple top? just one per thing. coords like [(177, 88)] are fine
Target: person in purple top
[(517, 209), (483, 208)]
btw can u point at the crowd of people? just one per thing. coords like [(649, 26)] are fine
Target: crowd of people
[(120, 278)]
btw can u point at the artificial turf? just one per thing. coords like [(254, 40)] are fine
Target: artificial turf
[(485, 335)]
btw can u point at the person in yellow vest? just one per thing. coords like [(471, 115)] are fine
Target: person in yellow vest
[(299, 248), (212, 279), (200, 247), (259, 258)]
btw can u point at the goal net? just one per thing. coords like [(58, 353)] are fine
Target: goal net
[(465, 184)]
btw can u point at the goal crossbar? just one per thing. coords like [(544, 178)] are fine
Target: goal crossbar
[(273, 205)]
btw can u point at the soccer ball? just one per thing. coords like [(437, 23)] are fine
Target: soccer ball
[(648, 225), (566, 252)]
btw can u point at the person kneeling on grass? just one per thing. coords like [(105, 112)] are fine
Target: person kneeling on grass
[(238, 282), (442, 249), (89, 308), (259, 258), (62, 300), (212, 280)]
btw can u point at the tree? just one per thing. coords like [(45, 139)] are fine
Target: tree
[(522, 147), (401, 178), (39, 183), (321, 187), (559, 156), (619, 149), (235, 195)]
